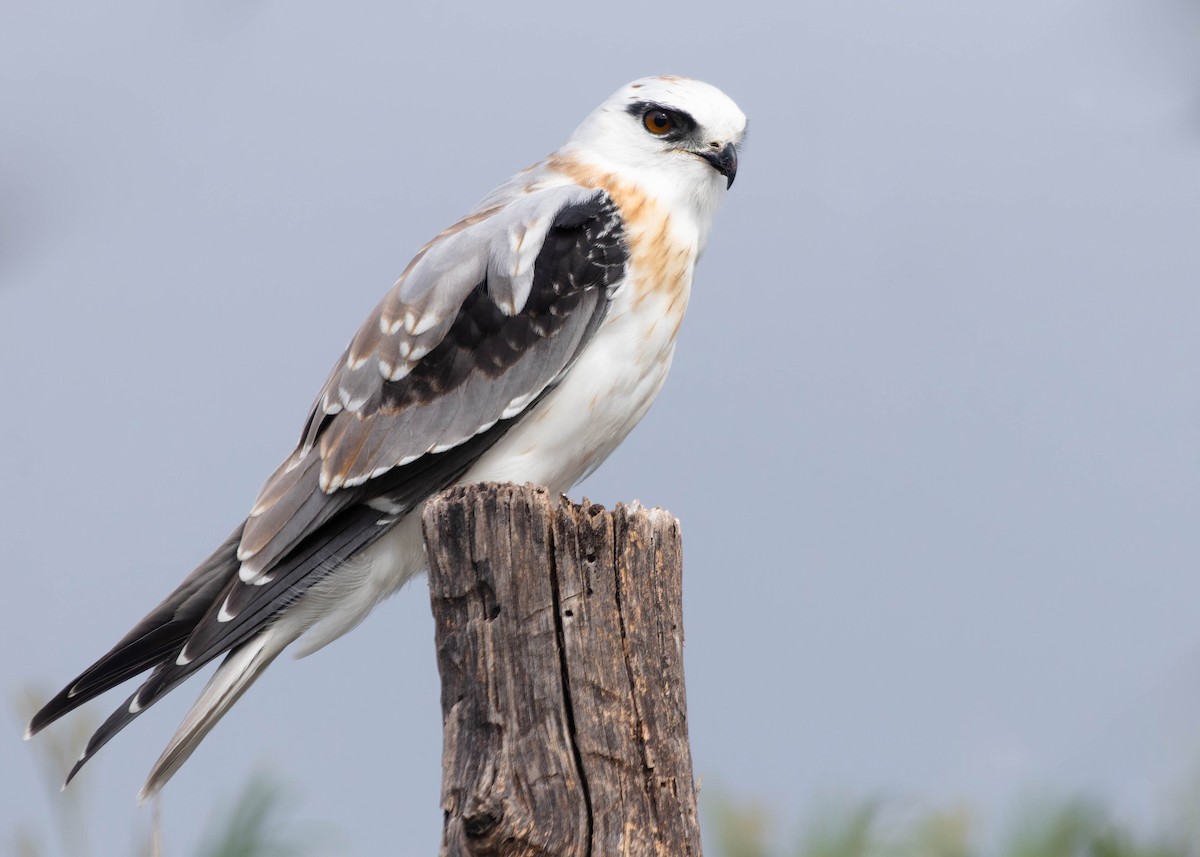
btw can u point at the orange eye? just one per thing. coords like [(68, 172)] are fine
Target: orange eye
[(658, 122)]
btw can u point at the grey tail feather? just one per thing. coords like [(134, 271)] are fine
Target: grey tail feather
[(342, 539), (110, 727), (155, 639), (150, 692), (241, 667)]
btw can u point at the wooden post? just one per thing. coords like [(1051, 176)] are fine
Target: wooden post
[(560, 645)]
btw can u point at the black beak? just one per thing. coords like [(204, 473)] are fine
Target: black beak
[(723, 161)]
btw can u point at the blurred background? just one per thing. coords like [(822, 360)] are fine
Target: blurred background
[(932, 429)]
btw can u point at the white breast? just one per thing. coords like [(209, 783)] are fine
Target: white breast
[(610, 388)]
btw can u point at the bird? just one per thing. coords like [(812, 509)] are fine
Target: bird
[(521, 344)]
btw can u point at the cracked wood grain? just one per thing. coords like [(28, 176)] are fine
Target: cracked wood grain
[(560, 645)]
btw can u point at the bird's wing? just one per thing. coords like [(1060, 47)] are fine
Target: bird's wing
[(488, 317), (479, 325)]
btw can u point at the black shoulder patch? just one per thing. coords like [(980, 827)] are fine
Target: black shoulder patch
[(583, 250)]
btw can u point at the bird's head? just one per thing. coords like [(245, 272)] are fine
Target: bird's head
[(673, 136)]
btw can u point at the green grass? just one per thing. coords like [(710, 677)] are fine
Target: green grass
[(260, 822), (1066, 828), (257, 822)]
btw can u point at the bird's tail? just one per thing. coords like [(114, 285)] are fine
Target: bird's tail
[(237, 672)]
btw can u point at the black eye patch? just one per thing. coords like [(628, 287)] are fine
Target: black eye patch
[(681, 122)]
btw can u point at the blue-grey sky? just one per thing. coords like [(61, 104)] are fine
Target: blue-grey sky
[(932, 430)]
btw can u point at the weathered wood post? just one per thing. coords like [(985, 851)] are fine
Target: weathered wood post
[(560, 645)]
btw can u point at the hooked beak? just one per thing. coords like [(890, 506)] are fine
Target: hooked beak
[(723, 161)]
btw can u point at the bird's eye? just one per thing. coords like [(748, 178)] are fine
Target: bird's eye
[(658, 122)]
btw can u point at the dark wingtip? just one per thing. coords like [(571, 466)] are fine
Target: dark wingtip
[(51, 711), (75, 770)]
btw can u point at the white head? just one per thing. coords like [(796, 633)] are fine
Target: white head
[(674, 137)]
